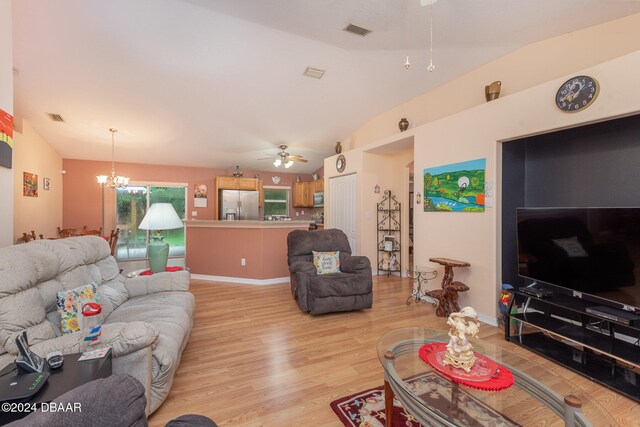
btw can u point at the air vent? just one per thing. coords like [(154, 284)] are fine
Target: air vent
[(356, 30), (316, 73), (55, 117)]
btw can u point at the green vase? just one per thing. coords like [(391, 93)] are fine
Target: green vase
[(158, 254)]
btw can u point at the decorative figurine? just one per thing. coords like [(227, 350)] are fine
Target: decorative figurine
[(392, 262), (459, 350), (385, 262), (338, 148)]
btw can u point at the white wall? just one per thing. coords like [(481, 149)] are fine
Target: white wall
[(6, 103)]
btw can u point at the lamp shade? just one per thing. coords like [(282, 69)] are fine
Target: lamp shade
[(161, 216)]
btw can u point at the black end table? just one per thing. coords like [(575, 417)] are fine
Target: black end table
[(71, 375)]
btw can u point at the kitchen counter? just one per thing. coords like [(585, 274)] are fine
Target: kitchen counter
[(248, 224), (252, 252)]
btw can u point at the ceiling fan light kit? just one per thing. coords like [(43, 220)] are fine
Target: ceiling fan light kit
[(286, 159)]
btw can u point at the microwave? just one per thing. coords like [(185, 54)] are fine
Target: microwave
[(318, 200)]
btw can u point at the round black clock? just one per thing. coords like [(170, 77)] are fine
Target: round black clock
[(341, 163), (577, 93)]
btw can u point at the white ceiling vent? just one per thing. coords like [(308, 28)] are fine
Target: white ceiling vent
[(316, 73), (55, 117), (356, 30)]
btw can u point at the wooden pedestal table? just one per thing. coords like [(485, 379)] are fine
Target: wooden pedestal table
[(448, 295)]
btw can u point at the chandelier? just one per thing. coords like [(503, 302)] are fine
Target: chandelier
[(113, 180)]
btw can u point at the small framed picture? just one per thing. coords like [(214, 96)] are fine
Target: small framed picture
[(389, 243), (45, 183)]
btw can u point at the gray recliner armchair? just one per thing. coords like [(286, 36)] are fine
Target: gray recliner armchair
[(351, 289)]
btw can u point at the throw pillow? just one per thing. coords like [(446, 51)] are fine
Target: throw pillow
[(327, 262), (70, 304), (571, 246)]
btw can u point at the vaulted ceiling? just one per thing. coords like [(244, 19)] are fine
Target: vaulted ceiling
[(216, 83)]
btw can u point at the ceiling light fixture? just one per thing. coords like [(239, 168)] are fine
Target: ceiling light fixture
[(288, 164), (113, 180)]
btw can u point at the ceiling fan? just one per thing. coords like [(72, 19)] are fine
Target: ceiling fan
[(284, 158)]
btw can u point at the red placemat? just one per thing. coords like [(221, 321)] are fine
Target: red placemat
[(168, 269), (486, 374)]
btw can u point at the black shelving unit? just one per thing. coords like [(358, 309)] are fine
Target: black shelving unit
[(388, 224), (560, 329)]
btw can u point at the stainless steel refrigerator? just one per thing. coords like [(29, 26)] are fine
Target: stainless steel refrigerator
[(239, 204)]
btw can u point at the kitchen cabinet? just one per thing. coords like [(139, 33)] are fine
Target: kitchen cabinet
[(300, 192), (260, 194), (303, 193), (233, 183)]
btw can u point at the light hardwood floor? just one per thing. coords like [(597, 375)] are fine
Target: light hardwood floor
[(254, 359)]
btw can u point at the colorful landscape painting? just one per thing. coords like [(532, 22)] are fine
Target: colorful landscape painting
[(458, 187), (6, 139), (30, 184)]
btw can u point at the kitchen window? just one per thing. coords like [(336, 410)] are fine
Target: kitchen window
[(276, 202), (132, 204)]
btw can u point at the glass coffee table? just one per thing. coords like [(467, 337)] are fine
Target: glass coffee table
[(538, 396)]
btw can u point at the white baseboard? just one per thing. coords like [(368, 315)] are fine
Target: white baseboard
[(489, 320), (241, 280)]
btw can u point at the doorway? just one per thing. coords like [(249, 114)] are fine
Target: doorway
[(342, 206)]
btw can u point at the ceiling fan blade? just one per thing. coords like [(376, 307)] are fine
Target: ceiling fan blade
[(298, 159), (267, 158)]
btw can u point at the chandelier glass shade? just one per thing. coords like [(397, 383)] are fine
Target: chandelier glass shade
[(113, 180)]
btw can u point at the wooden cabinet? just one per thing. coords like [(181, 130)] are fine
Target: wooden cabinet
[(300, 192), (303, 193), (233, 183), (260, 194), (318, 185)]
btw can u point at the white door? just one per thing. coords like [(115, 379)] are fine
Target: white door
[(342, 206)]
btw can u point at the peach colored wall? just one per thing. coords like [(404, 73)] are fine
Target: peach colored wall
[(82, 199), (477, 133), (525, 68), (43, 214), (218, 252), (6, 104)]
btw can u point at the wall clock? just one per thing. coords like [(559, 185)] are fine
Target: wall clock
[(341, 163), (577, 93)]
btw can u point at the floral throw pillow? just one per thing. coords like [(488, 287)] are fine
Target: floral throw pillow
[(327, 262), (70, 304)]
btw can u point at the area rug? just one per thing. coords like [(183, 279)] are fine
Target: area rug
[(366, 409)]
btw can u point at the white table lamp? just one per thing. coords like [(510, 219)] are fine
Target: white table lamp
[(160, 216)]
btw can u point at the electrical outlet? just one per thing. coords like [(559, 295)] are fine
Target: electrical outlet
[(194, 213), (302, 212), (243, 261), (297, 213)]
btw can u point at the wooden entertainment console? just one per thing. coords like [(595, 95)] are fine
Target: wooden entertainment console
[(559, 328)]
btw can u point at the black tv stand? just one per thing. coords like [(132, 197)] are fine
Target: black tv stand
[(561, 328), (537, 292)]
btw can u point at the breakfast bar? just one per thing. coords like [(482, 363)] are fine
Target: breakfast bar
[(253, 252)]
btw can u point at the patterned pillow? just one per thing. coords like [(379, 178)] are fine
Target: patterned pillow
[(327, 262), (70, 304)]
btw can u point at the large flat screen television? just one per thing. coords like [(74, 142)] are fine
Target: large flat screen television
[(593, 253)]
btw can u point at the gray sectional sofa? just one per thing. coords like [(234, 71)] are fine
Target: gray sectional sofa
[(147, 319)]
